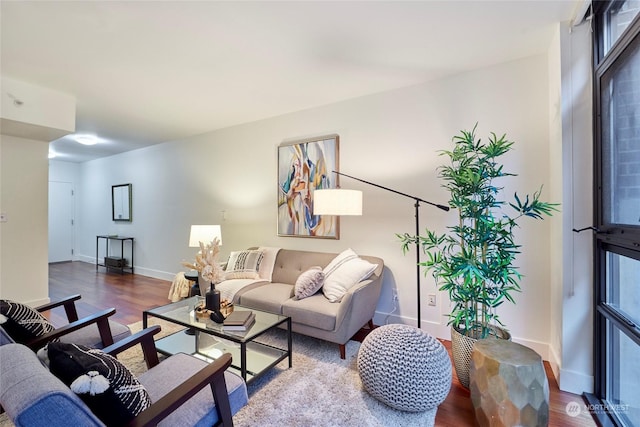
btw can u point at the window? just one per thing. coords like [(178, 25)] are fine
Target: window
[(619, 103), (617, 187), (622, 290), (617, 17)]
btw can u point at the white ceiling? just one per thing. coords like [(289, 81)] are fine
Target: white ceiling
[(146, 72)]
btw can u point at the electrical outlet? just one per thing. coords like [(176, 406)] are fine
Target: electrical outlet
[(395, 297), (432, 299)]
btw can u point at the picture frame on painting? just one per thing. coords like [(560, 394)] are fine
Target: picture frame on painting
[(303, 167)]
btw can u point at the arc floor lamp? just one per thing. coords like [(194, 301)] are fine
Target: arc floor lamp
[(337, 201)]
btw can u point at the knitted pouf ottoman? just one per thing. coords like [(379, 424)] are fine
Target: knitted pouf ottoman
[(405, 367)]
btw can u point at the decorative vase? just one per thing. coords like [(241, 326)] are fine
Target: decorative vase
[(203, 285), (462, 347), (212, 298)]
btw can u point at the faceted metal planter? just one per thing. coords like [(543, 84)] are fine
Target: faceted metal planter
[(462, 347)]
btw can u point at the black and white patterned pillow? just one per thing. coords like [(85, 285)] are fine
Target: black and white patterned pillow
[(108, 388), (244, 265), (22, 322)]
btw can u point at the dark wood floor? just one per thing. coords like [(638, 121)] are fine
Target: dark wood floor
[(131, 294)]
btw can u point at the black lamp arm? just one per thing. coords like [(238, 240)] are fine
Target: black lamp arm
[(417, 207), (417, 199)]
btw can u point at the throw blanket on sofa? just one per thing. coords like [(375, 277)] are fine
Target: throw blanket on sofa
[(230, 289), (180, 288)]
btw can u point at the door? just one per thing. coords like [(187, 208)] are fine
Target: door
[(61, 221)]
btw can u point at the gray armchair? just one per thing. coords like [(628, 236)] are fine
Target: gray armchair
[(32, 396), (95, 331)]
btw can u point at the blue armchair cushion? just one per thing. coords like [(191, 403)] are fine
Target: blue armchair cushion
[(21, 322), (107, 387), (32, 396)]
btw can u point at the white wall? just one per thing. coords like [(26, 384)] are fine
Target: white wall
[(390, 139), (24, 274), (31, 116), (570, 108), (576, 367), (556, 189), (60, 171), (35, 112)]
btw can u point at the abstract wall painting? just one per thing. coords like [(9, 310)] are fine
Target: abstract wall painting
[(303, 167)]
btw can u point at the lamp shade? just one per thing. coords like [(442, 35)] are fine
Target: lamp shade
[(337, 201), (204, 234)]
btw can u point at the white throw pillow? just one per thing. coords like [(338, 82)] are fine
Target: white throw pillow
[(344, 256), (343, 272), (244, 265), (268, 261), (309, 282)]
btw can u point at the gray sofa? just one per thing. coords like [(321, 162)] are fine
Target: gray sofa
[(315, 316)]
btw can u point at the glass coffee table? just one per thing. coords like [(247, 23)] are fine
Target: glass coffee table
[(210, 340)]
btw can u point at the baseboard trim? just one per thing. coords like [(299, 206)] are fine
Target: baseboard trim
[(85, 258), (554, 362), (441, 331), (575, 382), (37, 302), (433, 328), (156, 274), (149, 272)]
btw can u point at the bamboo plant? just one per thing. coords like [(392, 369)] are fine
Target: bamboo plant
[(473, 262)]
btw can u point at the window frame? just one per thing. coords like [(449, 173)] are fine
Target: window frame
[(621, 239)]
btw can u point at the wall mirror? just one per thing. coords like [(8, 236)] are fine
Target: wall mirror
[(121, 202)]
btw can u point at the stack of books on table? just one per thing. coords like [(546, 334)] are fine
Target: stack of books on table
[(239, 320)]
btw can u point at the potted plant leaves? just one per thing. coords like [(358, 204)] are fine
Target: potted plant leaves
[(474, 261)]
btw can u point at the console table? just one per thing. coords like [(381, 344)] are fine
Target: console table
[(119, 263)]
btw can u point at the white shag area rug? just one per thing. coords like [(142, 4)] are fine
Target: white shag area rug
[(320, 390)]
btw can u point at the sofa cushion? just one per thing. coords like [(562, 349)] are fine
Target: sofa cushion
[(200, 409), (268, 297), (343, 272), (21, 322), (244, 265), (100, 380), (308, 283), (315, 311), (290, 263)]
